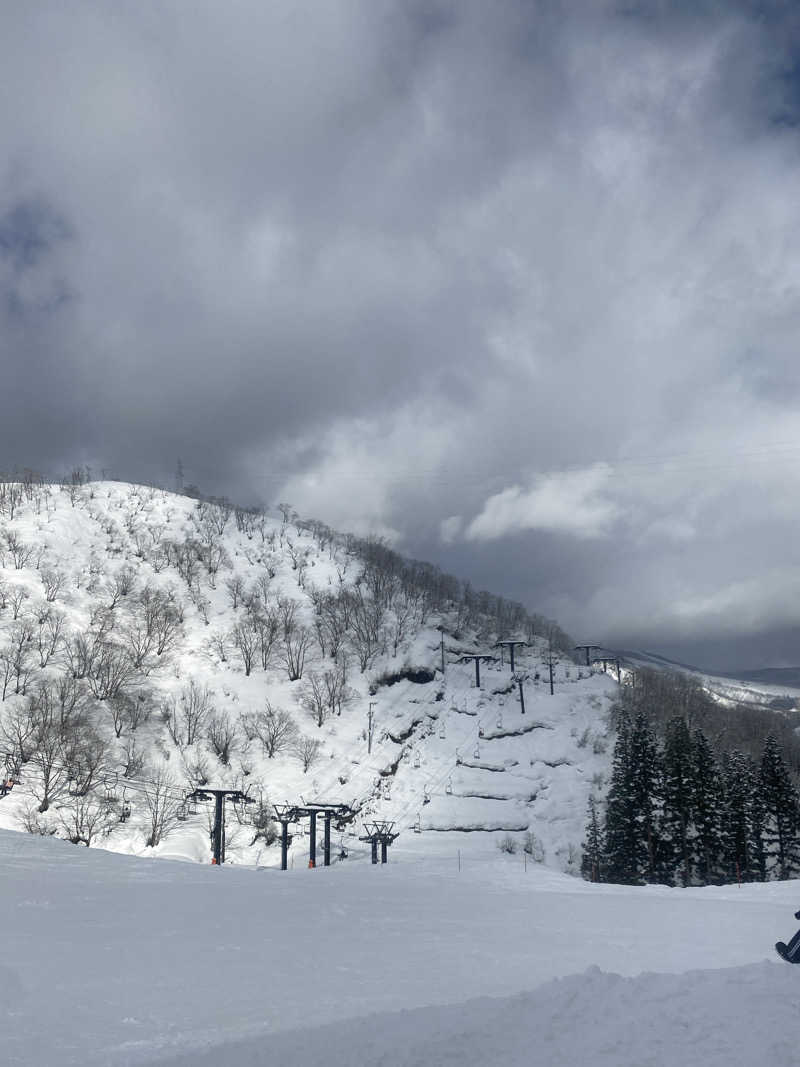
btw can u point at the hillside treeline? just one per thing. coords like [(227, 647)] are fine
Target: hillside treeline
[(699, 794)]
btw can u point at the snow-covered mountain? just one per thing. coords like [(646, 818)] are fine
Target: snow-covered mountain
[(193, 644)]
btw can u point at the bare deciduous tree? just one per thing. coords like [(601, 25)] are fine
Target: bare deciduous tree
[(295, 647), (53, 582), (337, 691), (366, 633), (21, 553), (236, 590), (314, 697), (222, 736), (49, 636), (308, 751), (196, 706), (162, 801), (86, 818), (132, 758), (17, 598), (266, 625), (274, 727), (112, 670)]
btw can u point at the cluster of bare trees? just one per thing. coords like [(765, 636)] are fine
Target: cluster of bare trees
[(398, 595), (53, 733), (268, 631), (187, 715), (23, 487), (325, 693), (277, 732)]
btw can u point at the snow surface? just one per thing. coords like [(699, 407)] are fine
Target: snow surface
[(114, 960)]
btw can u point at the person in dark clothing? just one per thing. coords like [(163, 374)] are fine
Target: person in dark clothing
[(790, 952)]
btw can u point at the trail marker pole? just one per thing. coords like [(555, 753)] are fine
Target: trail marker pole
[(370, 721)]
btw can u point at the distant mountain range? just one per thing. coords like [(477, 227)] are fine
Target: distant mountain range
[(777, 688)]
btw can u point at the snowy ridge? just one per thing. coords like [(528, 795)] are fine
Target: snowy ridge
[(726, 690), (445, 756)]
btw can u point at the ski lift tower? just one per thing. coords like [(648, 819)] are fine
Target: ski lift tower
[(219, 796), (477, 657), (379, 832), (510, 645), (341, 812), (588, 650), (285, 813)]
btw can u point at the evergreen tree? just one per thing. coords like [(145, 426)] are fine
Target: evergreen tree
[(741, 819), (592, 861), (677, 826), (647, 795), (780, 809), (758, 816), (706, 785), (623, 854)]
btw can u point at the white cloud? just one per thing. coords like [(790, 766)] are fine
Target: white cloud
[(569, 502), (450, 528)]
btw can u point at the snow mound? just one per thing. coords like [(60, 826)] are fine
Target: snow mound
[(743, 1015)]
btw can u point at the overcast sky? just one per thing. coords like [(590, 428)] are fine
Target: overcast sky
[(516, 284)]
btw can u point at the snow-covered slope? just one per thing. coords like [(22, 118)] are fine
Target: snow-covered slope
[(114, 961), (445, 756)]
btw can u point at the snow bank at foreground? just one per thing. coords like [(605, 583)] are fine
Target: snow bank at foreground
[(115, 961), (744, 1015)]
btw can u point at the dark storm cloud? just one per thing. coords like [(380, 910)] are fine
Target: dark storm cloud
[(459, 272)]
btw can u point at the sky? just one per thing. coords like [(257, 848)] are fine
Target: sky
[(515, 285)]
